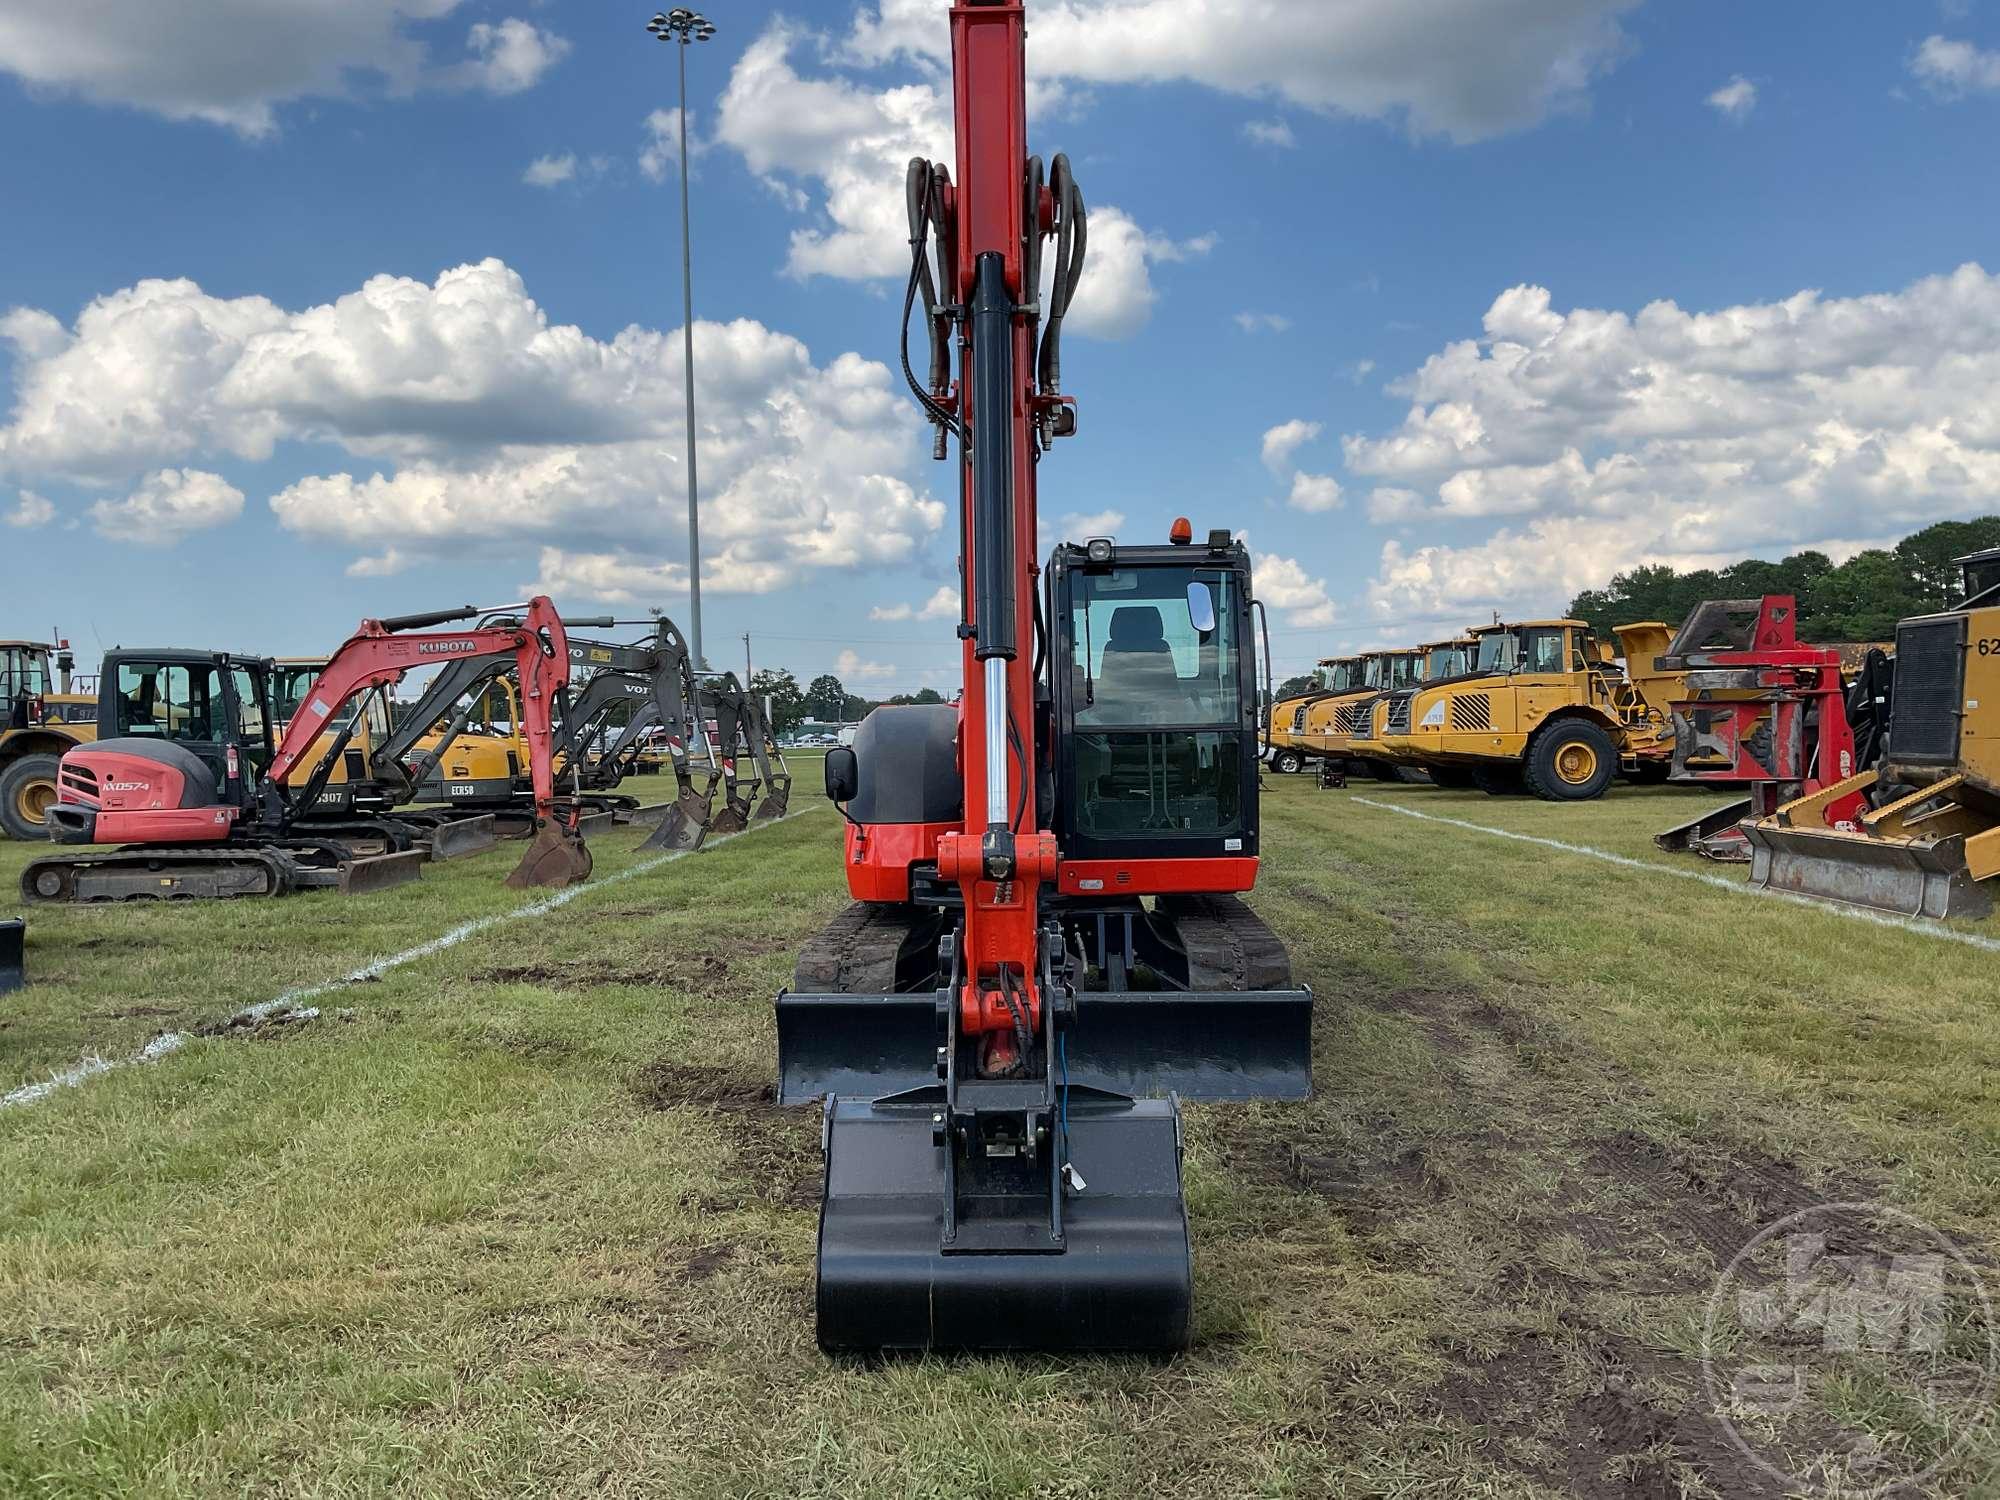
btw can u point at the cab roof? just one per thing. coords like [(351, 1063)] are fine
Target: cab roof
[(1506, 625)]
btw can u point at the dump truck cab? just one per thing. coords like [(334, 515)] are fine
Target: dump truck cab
[(40, 719), (1333, 676), (1440, 661), (1337, 723), (1544, 708)]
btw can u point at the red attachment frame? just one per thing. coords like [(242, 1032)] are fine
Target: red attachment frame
[(377, 657), (1763, 740)]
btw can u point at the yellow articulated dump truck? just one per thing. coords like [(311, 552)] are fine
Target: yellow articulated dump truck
[(1388, 740), (1545, 708), (1334, 677), (1338, 727), (1929, 845), (40, 718)]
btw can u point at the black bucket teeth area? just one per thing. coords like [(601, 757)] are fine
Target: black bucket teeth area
[(1121, 1279)]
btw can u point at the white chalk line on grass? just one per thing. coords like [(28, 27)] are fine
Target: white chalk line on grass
[(1734, 887), (287, 1004)]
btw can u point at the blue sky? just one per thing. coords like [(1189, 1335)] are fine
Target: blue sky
[(1314, 313)]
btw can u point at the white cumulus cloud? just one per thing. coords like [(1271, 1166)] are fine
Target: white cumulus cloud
[(1263, 322), (1952, 69), (237, 61), (550, 171), (1314, 493), (1276, 133), (168, 505), (1599, 439), (1284, 584), (1735, 99), (1284, 440), (850, 668), (473, 423), (30, 510), (942, 605)]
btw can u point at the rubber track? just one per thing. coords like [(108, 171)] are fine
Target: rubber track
[(855, 953), (278, 861), (1228, 946)]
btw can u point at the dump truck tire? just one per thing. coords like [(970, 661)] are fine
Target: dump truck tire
[(1573, 760), (1498, 781), (1453, 778), (27, 787)]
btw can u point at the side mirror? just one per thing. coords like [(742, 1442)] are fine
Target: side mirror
[(1201, 607), (843, 774)]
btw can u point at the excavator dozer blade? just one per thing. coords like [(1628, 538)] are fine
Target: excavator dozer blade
[(455, 838), (556, 857), (1250, 1044), (1713, 835), (651, 815), (1909, 877), (1119, 1277), (380, 872), (13, 954)]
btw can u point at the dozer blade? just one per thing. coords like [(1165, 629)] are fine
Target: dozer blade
[(1922, 877), (1713, 835), (1252, 1044), (557, 857), (379, 872), (1119, 1277), (458, 837), (13, 954)]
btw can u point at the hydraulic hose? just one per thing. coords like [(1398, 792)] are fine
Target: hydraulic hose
[(922, 191), (1072, 242)]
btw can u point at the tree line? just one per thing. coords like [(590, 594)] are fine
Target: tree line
[(824, 700), (1858, 600)]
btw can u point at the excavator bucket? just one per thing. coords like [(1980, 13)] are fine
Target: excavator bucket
[(777, 797), (1038, 1213), (556, 857), (687, 820), (13, 954), (455, 838)]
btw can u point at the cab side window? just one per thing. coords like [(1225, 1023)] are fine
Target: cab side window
[(1544, 651)]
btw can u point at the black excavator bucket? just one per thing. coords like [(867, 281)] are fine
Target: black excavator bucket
[(687, 818), (556, 857), (1033, 1213), (13, 954), (777, 798)]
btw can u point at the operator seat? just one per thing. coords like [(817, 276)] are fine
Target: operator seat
[(1138, 680)]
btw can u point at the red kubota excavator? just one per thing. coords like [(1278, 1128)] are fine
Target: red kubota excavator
[(1046, 952), (190, 784)]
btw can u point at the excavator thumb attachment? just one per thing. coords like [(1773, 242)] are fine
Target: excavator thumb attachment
[(777, 797), (455, 838), (556, 857), (1713, 835), (13, 959)]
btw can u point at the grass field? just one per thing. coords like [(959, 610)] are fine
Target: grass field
[(517, 1217)]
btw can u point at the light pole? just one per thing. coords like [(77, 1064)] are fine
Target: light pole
[(686, 27)]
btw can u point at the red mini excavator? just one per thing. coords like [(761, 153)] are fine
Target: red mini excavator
[(1046, 951), (189, 782)]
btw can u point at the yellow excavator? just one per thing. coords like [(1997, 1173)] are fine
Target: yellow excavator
[(1929, 845), (1547, 709)]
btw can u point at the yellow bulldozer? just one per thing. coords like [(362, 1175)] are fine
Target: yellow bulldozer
[(40, 718), (1929, 844), (1545, 708)]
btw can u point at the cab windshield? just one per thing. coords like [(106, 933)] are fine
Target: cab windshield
[(1402, 671), (1346, 678), (1136, 656), (24, 678), (1444, 661), (1499, 651)]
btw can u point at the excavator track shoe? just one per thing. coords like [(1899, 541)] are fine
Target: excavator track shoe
[(557, 857)]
